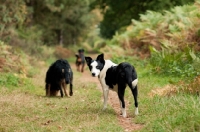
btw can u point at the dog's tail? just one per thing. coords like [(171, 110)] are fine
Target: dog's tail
[(131, 77)]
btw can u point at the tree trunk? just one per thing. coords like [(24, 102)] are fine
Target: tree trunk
[(61, 38)]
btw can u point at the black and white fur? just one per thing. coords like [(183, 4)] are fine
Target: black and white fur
[(114, 77)]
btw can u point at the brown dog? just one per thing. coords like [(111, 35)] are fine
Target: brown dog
[(80, 60)]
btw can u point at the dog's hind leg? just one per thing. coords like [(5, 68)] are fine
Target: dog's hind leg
[(135, 94), (134, 90), (48, 86), (121, 91)]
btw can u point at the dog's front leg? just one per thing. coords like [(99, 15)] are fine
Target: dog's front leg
[(65, 89), (105, 96), (82, 67), (61, 91), (71, 89)]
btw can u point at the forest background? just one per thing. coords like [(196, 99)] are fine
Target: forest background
[(160, 38), (68, 22)]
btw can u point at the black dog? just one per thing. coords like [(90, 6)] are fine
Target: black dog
[(58, 75), (114, 77), (80, 60)]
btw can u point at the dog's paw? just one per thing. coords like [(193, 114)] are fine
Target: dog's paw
[(123, 115), (136, 111), (71, 93), (104, 108)]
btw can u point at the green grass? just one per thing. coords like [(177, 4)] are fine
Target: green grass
[(25, 108), (178, 112), (21, 111)]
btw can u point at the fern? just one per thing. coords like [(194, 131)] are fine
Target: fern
[(174, 23), (168, 62)]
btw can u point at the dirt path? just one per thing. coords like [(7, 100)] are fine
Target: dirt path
[(126, 123)]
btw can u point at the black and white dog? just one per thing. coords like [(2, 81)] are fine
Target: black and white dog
[(114, 77), (57, 76)]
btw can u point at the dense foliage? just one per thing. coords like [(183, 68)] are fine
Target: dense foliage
[(12, 14), (63, 20), (182, 64), (118, 13), (169, 39), (176, 28), (58, 21)]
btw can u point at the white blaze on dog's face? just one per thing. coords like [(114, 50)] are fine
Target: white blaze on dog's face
[(95, 66), (95, 69)]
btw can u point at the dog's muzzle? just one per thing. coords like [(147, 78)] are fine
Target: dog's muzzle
[(67, 81), (93, 74)]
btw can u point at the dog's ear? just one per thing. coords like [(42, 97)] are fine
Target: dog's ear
[(100, 57), (88, 60), (77, 55)]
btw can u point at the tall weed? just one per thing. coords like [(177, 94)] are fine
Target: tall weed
[(176, 63)]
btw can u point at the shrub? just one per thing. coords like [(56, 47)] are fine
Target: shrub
[(176, 63), (179, 26), (12, 13), (192, 87), (61, 52), (8, 80)]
